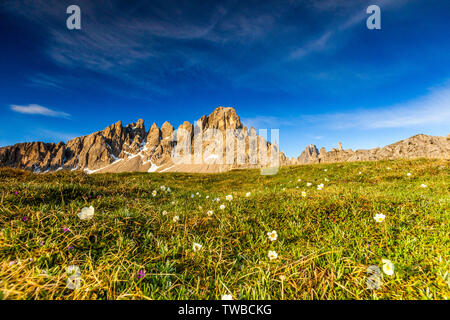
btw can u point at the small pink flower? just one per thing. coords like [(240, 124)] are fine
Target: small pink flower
[(141, 274)]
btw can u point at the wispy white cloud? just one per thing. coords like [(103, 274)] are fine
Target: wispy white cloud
[(311, 47), (428, 110), (115, 41), (144, 44), (315, 137), (44, 81), (36, 109), (328, 39)]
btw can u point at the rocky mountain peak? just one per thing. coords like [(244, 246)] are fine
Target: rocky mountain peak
[(153, 137), (140, 123), (222, 118), (167, 130), (309, 154)]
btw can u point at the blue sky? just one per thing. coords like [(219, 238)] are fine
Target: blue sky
[(309, 68)]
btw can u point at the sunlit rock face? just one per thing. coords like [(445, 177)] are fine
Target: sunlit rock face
[(418, 146)]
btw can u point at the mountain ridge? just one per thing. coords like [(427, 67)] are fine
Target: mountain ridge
[(131, 148), (119, 148), (417, 146)]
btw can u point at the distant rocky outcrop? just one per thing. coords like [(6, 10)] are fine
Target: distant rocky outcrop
[(309, 155), (132, 148), (418, 146)]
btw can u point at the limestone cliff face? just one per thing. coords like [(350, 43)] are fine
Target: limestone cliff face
[(33, 155), (132, 148), (418, 146)]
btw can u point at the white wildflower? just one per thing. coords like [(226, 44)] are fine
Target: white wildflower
[(86, 213), (272, 235), (379, 217), (196, 246), (272, 255), (388, 267)]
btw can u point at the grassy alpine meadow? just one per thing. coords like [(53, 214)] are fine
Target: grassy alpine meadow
[(362, 230)]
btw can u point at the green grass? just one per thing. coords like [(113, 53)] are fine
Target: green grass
[(326, 240)]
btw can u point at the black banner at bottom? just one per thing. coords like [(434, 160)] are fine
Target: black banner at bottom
[(213, 309)]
